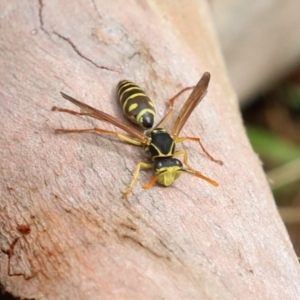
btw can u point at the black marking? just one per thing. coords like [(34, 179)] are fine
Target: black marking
[(166, 163), (162, 144)]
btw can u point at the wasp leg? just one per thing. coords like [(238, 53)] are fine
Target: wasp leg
[(69, 111), (193, 171), (120, 136), (183, 138), (185, 159), (140, 165), (169, 113)]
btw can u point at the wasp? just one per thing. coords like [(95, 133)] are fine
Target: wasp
[(158, 143)]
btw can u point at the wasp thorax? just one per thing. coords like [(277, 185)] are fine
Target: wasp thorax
[(162, 144)]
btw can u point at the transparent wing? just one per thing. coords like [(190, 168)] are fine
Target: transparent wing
[(100, 115), (193, 100)]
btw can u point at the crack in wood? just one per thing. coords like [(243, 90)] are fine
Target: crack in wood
[(41, 6), (10, 253), (140, 244), (96, 9), (69, 41), (163, 244)]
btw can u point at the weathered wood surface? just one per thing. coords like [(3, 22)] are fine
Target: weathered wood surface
[(65, 232)]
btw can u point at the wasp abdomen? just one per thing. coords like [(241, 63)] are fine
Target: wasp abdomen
[(136, 105)]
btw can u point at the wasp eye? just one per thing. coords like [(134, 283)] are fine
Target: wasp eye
[(159, 164), (178, 163)]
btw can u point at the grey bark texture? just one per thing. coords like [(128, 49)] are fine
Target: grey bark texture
[(65, 231)]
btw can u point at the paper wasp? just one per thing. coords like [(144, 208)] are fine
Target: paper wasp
[(158, 144)]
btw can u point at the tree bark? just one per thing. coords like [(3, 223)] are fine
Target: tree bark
[(65, 231)]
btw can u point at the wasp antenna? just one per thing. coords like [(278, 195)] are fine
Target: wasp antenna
[(199, 175), (149, 184)]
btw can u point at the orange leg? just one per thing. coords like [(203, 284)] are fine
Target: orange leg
[(169, 114), (69, 111), (120, 136), (181, 139)]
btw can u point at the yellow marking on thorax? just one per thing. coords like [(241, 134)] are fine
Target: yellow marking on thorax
[(169, 154)]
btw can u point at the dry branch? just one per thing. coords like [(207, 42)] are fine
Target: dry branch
[(65, 232)]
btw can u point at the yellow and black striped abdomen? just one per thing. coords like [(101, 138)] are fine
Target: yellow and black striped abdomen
[(136, 105)]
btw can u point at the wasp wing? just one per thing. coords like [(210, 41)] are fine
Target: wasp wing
[(100, 115), (193, 100)]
